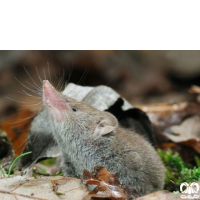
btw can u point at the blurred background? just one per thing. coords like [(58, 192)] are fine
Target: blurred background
[(142, 77)]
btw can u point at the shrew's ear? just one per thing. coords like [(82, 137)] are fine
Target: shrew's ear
[(106, 124)]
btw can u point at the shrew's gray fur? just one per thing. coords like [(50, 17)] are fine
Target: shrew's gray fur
[(88, 137)]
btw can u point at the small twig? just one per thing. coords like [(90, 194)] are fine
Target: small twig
[(17, 186), (73, 189)]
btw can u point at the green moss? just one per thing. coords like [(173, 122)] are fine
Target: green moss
[(177, 171)]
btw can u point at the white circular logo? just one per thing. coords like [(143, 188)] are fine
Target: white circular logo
[(190, 188)]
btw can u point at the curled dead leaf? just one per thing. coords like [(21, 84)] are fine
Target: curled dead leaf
[(107, 185)]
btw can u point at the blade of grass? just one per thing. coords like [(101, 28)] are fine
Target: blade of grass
[(2, 170), (16, 159)]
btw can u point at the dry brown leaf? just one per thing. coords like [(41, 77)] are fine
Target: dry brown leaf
[(17, 129), (107, 185), (164, 115), (163, 195), (188, 132), (22, 188)]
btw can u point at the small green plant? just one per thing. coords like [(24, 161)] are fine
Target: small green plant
[(177, 171), (2, 170), (13, 163)]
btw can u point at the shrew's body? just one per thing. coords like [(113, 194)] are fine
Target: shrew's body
[(88, 137)]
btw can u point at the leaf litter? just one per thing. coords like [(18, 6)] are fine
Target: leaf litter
[(107, 186)]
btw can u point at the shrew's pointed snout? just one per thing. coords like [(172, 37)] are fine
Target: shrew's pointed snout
[(54, 101), (49, 92), (45, 82), (47, 87)]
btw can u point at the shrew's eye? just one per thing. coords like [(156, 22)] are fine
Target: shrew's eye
[(74, 109)]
